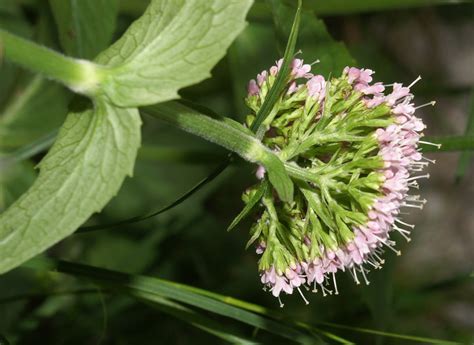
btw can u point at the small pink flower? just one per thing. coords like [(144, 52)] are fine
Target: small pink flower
[(253, 88), (281, 284), (398, 93), (275, 69), (262, 77), (293, 88), (375, 89), (316, 87), (269, 276), (260, 172), (299, 69)]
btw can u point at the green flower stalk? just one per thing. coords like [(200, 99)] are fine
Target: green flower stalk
[(360, 145)]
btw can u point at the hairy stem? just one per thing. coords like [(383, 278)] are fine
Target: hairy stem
[(81, 76), (219, 131), (230, 135)]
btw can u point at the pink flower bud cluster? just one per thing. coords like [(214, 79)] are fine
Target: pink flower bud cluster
[(299, 70), (398, 149)]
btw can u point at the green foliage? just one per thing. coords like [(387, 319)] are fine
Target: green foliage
[(148, 288), (96, 148), (85, 27), (156, 58), (86, 166), (17, 124), (230, 135)]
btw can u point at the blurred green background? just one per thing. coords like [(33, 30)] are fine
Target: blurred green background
[(427, 292)]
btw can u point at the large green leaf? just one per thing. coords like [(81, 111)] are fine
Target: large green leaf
[(85, 26), (86, 166), (173, 45)]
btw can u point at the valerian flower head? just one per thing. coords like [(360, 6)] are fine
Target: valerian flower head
[(358, 142)]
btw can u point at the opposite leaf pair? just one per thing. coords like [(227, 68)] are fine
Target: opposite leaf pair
[(173, 45)]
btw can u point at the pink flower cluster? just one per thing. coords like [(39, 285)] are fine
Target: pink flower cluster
[(316, 84), (398, 147)]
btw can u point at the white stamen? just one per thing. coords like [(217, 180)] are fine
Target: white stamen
[(302, 296), (326, 289), (414, 81), (315, 62), (430, 143), (380, 251), (418, 177), (419, 164), (336, 292), (281, 303), (323, 289), (405, 231), (390, 245), (412, 206), (315, 286), (416, 198), (433, 161), (403, 223), (432, 103), (363, 274), (374, 264), (354, 275)]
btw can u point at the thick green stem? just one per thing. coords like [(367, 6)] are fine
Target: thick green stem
[(223, 132), (229, 134), (81, 76), (219, 131)]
